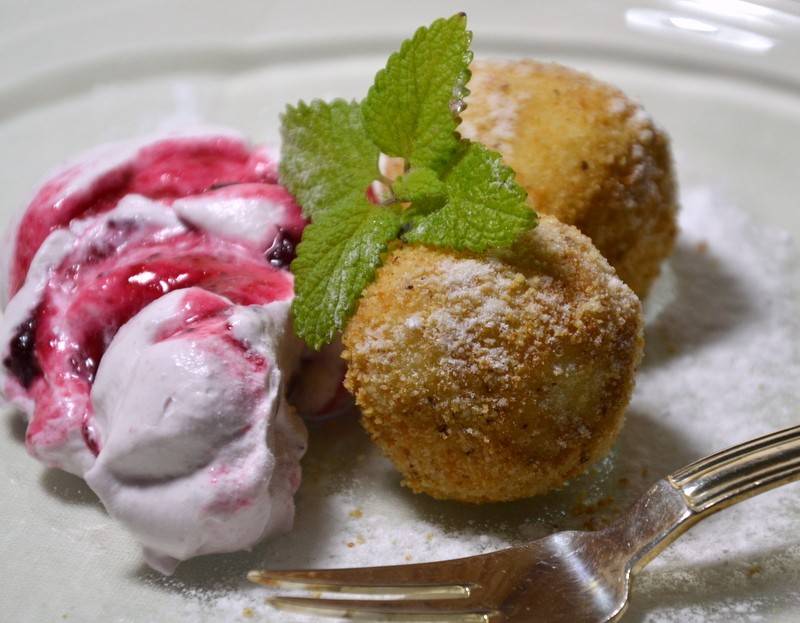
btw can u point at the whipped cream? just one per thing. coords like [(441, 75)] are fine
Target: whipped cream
[(199, 449), (148, 339), (60, 442), (248, 214)]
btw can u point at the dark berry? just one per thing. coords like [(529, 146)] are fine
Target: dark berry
[(21, 359), (282, 251)]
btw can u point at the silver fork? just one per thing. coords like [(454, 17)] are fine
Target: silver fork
[(569, 577)]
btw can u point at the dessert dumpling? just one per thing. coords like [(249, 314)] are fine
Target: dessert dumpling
[(585, 153), (495, 377)]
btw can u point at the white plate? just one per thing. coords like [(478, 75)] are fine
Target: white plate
[(721, 76)]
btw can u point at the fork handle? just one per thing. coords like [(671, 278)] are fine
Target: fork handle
[(740, 472), (677, 502)]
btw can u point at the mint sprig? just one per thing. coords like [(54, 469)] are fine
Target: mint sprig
[(326, 156), (336, 260), (418, 184), (412, 109), (485, 207), (453, 193)]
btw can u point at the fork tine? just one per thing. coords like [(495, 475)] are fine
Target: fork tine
[(439, 580), (409, 591), (380, 610)]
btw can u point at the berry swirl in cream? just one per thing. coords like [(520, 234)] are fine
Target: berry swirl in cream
[(148, 338)]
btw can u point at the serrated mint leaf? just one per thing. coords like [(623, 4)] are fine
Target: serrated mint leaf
[(485, 206), (412, 109), (326, 156), (335, 261), (417, 184)]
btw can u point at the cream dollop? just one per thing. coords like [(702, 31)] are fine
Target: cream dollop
[(199, 449)]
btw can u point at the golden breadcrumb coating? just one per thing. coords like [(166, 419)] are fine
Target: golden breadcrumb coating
[(488, 378), (585, 153)]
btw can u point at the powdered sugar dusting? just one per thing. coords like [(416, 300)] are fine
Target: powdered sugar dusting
[(502, 120), (642, 122), (501, 109), (638, 119), (459, 280), (721, 366)]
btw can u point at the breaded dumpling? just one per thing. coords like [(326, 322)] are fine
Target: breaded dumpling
[(488, 378), (585, 153)]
